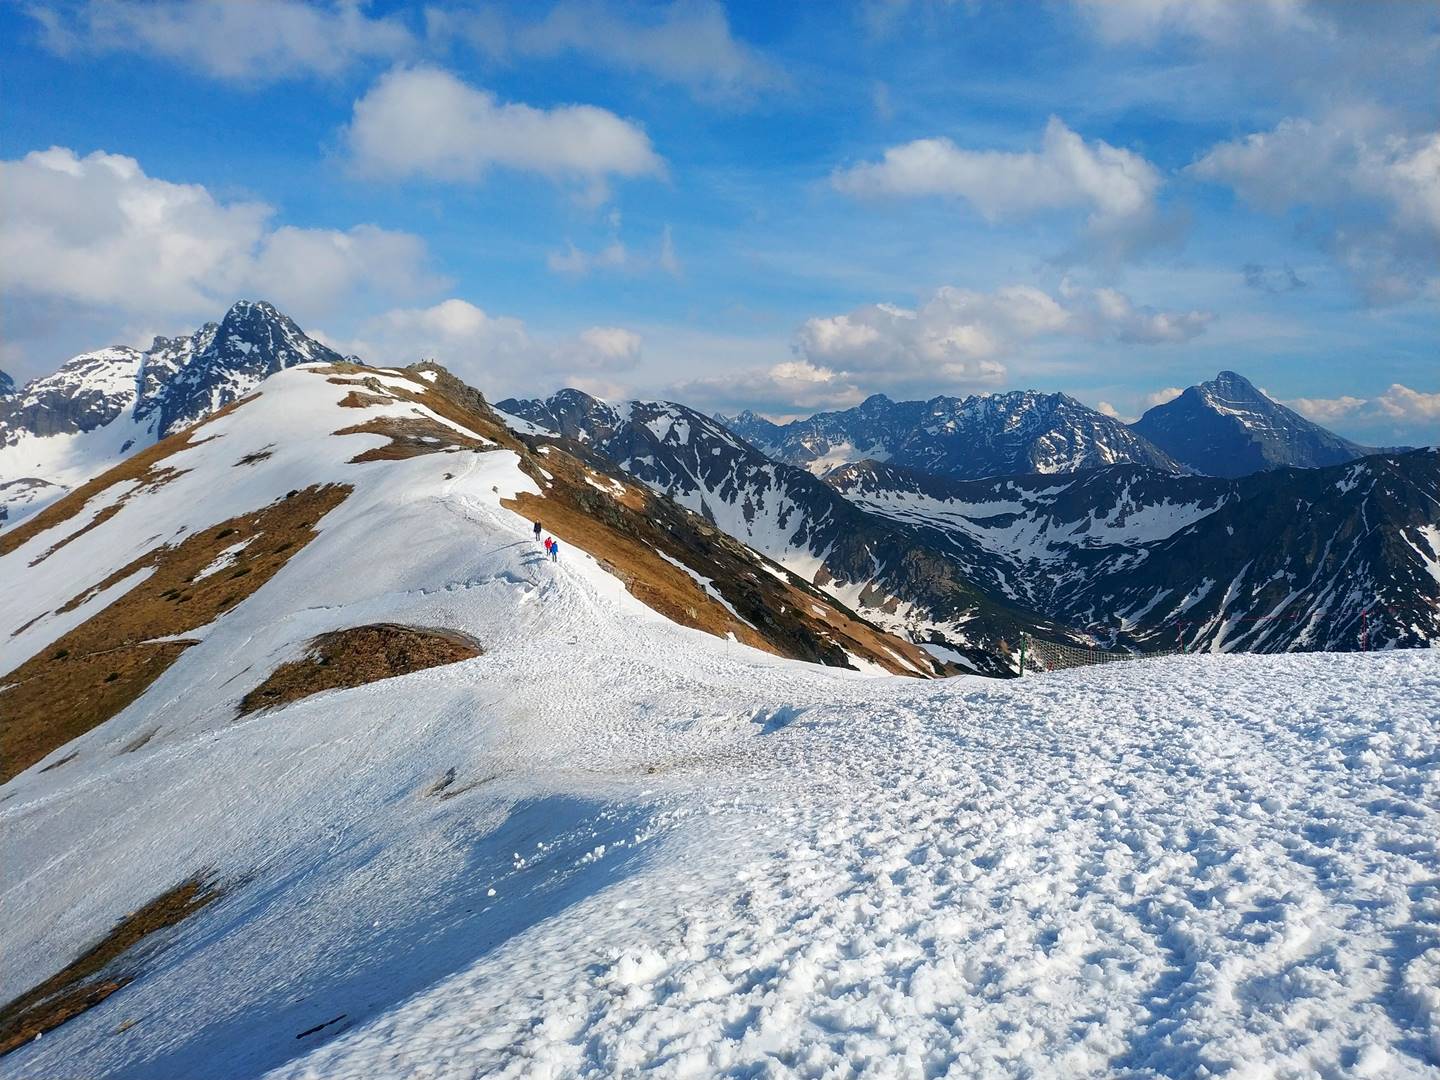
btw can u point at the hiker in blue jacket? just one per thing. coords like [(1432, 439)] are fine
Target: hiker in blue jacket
[(554, 550)]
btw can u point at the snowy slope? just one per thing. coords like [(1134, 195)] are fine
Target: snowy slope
[(697, 861)]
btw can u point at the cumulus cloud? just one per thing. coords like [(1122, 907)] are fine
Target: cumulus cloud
[(954, 341), (1371, 194), (1160, 397), (97, 231), (1116, 186), (238, 40), (786, 389), (496, 353), (688, 43), (959, 338), (955, 338), (1114, 314), (1399, 406), (426, 122)]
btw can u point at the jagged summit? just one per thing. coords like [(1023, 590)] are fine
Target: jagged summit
[(1227, 427), (7, 385)]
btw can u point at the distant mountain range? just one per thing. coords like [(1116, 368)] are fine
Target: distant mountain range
[(59, 430), (880, 568), (995, 434), (1225, 427), (1338, 558)]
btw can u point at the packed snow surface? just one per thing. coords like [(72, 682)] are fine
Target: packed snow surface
[(612, 845)]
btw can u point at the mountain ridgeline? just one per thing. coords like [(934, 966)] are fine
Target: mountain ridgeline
[(984, 435), (1225, 427), (59, 430)]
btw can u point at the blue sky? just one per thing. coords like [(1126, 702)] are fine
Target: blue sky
[(784, 207)]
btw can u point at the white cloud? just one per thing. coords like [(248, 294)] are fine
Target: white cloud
[(1107, 409), (495, 353), (1373, 193), (1328, 410), (97, 231), (1115, 185), (959, 339), (1398, 405), (1118, 317), (424, 121), (688, 43), (605, 348), (241, 40), (1160, 397), (787, 389), (616, 256), (955, 341)]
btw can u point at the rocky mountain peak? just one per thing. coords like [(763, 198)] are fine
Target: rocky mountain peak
[(151, 393), (1227, 427)]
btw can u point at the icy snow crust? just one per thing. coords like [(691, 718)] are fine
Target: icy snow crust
[(661, 851)]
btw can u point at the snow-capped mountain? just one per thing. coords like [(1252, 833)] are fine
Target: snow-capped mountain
[(1339, 558), (7, 385), (61, 429), (1227, 427), (965, 438), (877, 567)]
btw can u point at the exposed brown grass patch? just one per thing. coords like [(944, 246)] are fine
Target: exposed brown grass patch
[(151, 479), (101, 970), (359, 655), (105, 663), (359, 400), (409, 437), (137, 466)]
